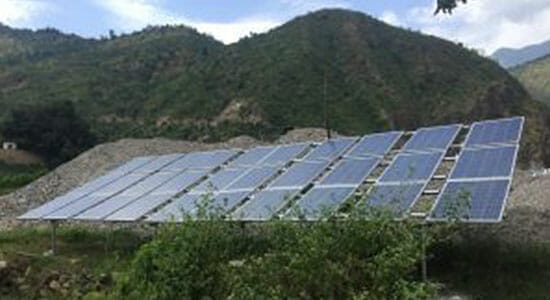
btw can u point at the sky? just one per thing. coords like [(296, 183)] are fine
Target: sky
[(485, 25)]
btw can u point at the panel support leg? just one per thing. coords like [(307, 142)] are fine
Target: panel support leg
[(424, 258), (53, 237)]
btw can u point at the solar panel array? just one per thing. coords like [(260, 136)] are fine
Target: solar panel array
[(307, 181)]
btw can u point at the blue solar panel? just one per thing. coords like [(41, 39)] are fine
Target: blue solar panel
[(252, 157), (300, 174), (189, 204), (88, 201), (480, 201), (105, 208), (200, 160), (504, 131), (375, 144), (265, 204), (253, 178), (220, 180), (226, 201), (50, 207), (412, 167), (148, 184), (321, 202), (138, 208), (284, 154), (133, 164), (158, 163), (351, 171), (131, 194), (396, 199), (180, 182), (432, 138), (479, 163), (330, 149)]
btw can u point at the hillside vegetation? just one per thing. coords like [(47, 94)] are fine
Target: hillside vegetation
[(172, 81), (535, 76)]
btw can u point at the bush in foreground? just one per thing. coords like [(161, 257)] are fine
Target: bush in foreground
[(331, 259)]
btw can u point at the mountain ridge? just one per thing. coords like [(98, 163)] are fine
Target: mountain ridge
[(514, 57), (172, 81)]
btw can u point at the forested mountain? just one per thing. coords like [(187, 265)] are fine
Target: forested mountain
[(510, 58), (535, 76), (173, 81)]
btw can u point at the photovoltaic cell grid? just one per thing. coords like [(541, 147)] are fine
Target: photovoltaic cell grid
[(480, 180), (375, 144), (432, 139), (232, 185), (505, 131), (252, 186)]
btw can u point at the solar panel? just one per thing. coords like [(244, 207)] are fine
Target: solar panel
[(300, 174), (138, 208), (253, 178), (189, 204), (158, 163), (265, 204), (159, 187), (201, 160), (320, 202), (504, 131), (148, 184), (330, 149), (176, 210), (220, 180), (105, 208), (486, 162), (284, 154), (432, 138), (375, 144), (133, 164), (478, 201), (86, 188), (179, 182), (412, 167), (119, 185), (88, 201), (252, 157), (131, 194), (395, 198), (351, 171)]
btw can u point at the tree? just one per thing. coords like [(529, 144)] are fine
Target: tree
[(54, 131), (447, 6)]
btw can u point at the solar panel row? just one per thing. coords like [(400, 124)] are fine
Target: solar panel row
[(480, 181), (264, 182)]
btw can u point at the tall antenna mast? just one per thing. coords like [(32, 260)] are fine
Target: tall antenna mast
[(325, 104)]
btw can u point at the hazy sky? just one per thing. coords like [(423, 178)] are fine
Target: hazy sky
[(482, 24)]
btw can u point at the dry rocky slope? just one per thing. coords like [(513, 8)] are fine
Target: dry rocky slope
[(527, 216)]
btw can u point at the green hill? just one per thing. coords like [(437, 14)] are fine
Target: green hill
[(535, 76), (175, 82)]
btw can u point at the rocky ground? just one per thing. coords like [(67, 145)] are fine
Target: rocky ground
[(527, 216)]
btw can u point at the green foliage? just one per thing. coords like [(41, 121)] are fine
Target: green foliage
[(378, 78), (220, 259), (535, 76), (54, 131), (16, 176)]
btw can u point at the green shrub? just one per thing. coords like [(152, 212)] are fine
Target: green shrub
[(332, 259)]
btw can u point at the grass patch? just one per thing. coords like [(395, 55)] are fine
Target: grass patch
[(489, 269), (13, 176), (88, 261)]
